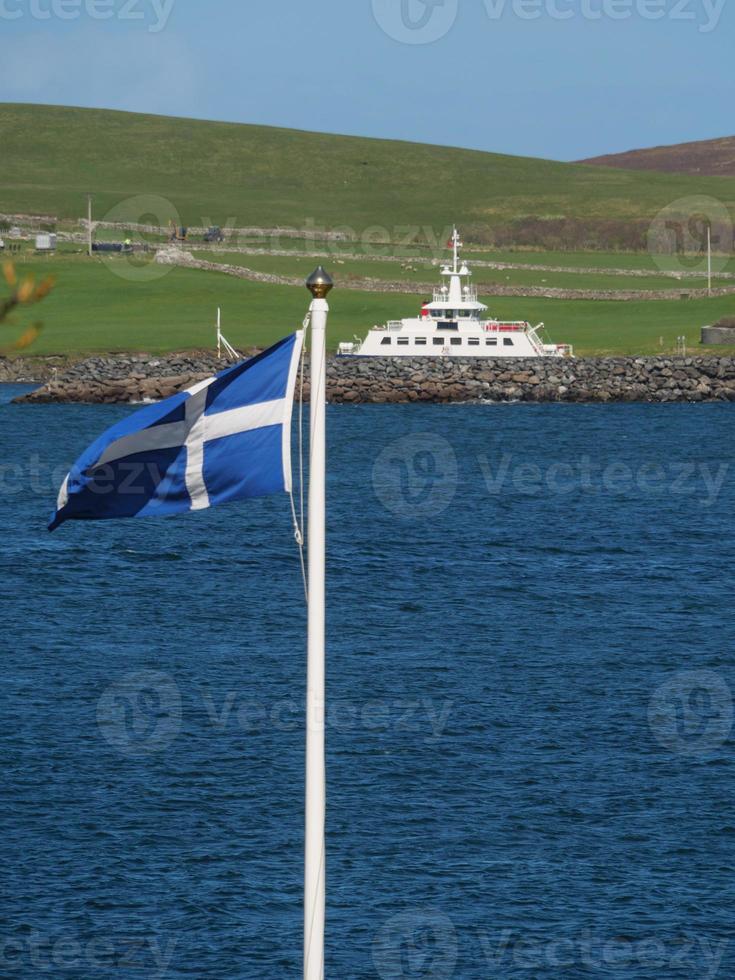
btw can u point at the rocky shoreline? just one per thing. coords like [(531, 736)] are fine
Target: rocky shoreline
[(30, 370), (143, 378)]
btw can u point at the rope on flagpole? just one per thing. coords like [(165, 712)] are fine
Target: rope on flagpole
[(298, 521)]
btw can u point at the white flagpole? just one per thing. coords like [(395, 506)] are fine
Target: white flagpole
[(319, 284)]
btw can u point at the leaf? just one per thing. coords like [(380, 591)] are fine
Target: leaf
[(28, 337), (9, 273), (25, 290), (43, 289)]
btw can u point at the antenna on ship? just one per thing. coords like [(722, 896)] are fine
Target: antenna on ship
[(457, 244)]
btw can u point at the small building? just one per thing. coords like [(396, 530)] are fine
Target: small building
[(721, 333), (46, 243)]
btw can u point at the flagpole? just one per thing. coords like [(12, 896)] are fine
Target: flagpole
[(319, 284)]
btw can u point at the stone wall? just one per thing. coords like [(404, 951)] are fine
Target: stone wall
[(391, 380), (175, 255), (718, 335)]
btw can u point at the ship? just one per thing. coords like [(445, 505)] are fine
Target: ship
[(455, 324)]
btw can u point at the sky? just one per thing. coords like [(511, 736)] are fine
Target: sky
[(561, 79)]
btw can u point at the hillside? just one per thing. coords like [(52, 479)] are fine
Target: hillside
[(707, 157), (261, 176)]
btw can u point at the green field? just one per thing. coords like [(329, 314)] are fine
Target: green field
[(595, 260), (261, 176), (421, 271), (600, 259), (94, 309)]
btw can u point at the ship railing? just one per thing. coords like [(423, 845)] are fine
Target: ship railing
[(512, 326), (519, 326), (538, 344), (469, 295)]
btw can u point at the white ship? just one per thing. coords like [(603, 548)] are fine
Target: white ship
[(454, 324)]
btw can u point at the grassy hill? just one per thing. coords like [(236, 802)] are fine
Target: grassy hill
[(705, 157), (255, 175)]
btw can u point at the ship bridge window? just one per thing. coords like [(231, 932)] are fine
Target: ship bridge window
[(507, 341), (465, 312), (455, 341), (386, 340)]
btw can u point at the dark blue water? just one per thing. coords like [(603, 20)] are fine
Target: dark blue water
[(530, 727)]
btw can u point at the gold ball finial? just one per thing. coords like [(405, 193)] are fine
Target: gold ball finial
[(319, 283)]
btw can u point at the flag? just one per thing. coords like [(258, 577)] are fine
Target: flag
[(227, 438)]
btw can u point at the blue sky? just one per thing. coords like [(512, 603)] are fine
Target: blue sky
[(562, 79)]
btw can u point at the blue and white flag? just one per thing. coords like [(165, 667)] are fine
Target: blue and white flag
[(227, 438)]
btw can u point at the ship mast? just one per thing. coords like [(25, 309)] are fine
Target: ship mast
[(456, 272), (456, 245)]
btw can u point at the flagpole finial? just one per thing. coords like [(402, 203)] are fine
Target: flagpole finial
[(319, 283)]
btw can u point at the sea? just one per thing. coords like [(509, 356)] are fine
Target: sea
[(531, 663)]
